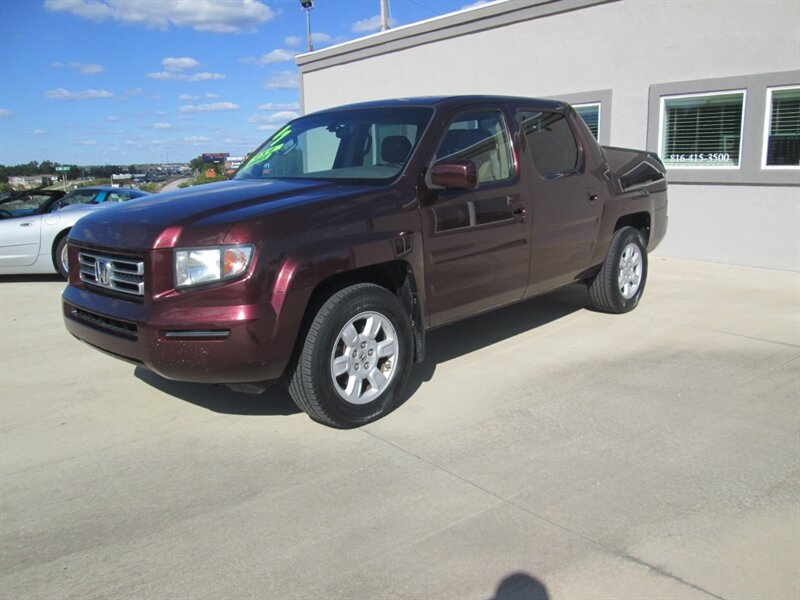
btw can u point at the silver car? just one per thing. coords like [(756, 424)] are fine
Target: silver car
[(34, 226)]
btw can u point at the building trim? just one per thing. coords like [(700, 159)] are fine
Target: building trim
[(463, 22), (750, 170)]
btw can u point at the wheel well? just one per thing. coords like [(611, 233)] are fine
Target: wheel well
[(389, 275), (396, 276), (640, 221)]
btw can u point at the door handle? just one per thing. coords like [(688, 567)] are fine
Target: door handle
[(26, 224), (593, 197), (521, 211)]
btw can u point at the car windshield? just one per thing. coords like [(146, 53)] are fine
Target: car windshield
[(79, 197), (367, 145)]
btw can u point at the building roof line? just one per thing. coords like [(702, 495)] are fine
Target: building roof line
[(469, 20)]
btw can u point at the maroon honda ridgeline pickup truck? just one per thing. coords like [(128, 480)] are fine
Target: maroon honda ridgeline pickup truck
[(352, 231)]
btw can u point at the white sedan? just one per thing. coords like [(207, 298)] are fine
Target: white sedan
[(34, 227)]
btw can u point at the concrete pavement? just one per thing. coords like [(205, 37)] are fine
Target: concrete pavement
[(546, 451)]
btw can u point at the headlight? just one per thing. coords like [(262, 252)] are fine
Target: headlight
[(206, 265)]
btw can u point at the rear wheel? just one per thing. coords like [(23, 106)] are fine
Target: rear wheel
[(619, 285), (355, 359)]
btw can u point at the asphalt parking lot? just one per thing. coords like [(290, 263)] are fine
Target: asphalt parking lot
[(546, 451)]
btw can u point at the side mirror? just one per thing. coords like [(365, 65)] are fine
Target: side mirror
[(456, 174)]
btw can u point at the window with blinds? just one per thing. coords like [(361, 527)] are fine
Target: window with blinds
[(782, 148), (702, 130), (590, 113)]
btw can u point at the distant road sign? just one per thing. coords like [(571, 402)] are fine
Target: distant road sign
[(67, 168)]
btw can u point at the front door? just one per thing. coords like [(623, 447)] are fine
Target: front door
[(476, 241)]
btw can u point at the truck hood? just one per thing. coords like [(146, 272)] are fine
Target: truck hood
[(160, 220)]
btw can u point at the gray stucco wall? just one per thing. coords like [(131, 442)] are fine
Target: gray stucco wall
[(583, 48)]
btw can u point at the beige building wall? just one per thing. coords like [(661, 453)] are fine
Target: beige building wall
[(628, 53)]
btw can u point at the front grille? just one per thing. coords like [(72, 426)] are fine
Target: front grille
[(116, 326), (120, 274)]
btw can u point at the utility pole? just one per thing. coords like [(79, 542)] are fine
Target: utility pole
[(384, 15)]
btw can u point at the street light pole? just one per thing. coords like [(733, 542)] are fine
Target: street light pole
[(308, 5), (384, 15)]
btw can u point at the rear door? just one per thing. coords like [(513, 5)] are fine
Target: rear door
[(565, 198), (476, 241)]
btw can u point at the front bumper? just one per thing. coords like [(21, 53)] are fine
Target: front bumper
[(204, 344)]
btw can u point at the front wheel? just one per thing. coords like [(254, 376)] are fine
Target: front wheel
[(61, 257), (355, 359), (619, 285)]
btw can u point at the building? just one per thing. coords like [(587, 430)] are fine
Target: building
[(713, 86)]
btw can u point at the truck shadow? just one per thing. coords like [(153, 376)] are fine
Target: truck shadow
[(442, 345), (464, 337), (275, 401)]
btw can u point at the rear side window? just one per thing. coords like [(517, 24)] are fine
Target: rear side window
[(117, 197), (481, 137), (551, 142)]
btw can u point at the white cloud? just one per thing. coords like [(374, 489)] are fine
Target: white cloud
[(212, 96), (267, 128), (162, 126), (195, 139), (62, 94), (172, 76), (277, 117), (186, 97), (320, 38), (87, 68), (134, 92), (277, 55), (39, 132), (161, 113), (279, 106), (219, 16), (285, 80), (84, 68), (213, 107), (4, 112), (112, 118), (179, 64), (88, 143), (371, 24), (292, 41)]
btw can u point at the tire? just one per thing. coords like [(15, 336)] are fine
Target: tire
[(60, 257), (619, 285), (364, 322)]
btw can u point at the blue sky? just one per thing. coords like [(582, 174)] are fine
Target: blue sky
[(139, 81)]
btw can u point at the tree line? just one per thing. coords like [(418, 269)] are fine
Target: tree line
[(47, 167)]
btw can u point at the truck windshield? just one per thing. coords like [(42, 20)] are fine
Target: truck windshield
[(369, 145)]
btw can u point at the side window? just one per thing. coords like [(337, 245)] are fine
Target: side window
[(481, 137), (551, 142), (25, 204), (702, 130), (117, 196)]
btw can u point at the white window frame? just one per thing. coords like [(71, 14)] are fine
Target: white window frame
[(767, 122), (599, 106), (701, 167)]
